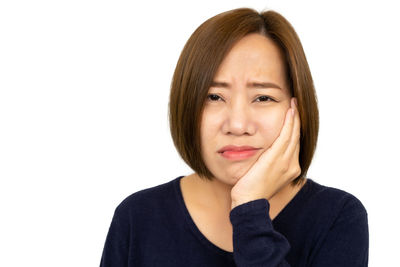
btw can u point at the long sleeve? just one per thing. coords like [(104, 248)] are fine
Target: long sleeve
[(347, 241), (116, 248), (255, 242)]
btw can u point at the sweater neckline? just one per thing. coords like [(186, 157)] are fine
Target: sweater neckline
[(195, 230)]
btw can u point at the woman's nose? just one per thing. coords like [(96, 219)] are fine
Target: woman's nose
[(239, 121)]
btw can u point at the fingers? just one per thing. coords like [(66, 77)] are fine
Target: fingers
[(282, 142), (293, 150), (295, 134), (295, 161)]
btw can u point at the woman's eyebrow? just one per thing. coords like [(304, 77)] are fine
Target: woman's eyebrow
[(249, 85)]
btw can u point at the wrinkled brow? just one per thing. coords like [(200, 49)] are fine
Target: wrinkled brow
[(254, 85)]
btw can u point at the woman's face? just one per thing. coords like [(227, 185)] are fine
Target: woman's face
[(240, 110)]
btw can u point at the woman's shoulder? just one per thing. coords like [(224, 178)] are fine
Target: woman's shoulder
[(333, 200), (147, 198)]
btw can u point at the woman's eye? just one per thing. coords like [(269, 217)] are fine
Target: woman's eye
[(213, 97), (264, 98)]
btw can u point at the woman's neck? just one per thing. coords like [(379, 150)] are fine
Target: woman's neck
[(215, 196)]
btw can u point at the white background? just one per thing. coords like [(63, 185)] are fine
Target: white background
[(84, 89)]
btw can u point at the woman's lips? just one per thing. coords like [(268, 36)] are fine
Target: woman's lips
[(235, 148), (238, 155)]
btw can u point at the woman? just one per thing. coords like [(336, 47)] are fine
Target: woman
[(244, 117)]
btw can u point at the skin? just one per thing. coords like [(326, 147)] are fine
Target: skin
[(236, 114)]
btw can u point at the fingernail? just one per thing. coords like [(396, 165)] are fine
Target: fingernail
[(295, 102)]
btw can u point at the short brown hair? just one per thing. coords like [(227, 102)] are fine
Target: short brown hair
[(199, 61)]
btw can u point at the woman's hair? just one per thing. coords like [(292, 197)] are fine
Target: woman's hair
[(199, 61)]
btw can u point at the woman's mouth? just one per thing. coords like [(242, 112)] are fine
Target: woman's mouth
[(238, 153)]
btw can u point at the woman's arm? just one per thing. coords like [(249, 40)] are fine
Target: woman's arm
[(115, 252), (255, 242), (347, 241)]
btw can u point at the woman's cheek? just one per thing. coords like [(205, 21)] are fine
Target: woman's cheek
[(209, 132), (271, 128)]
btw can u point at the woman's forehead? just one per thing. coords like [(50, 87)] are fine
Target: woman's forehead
[(254, 60), (255, 53)]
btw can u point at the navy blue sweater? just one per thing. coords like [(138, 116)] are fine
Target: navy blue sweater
[(321, 227)]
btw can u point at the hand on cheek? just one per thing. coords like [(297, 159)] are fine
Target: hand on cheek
[(276, 167)]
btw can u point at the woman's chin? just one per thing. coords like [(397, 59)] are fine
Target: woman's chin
[(230, 174), (233, 176)]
